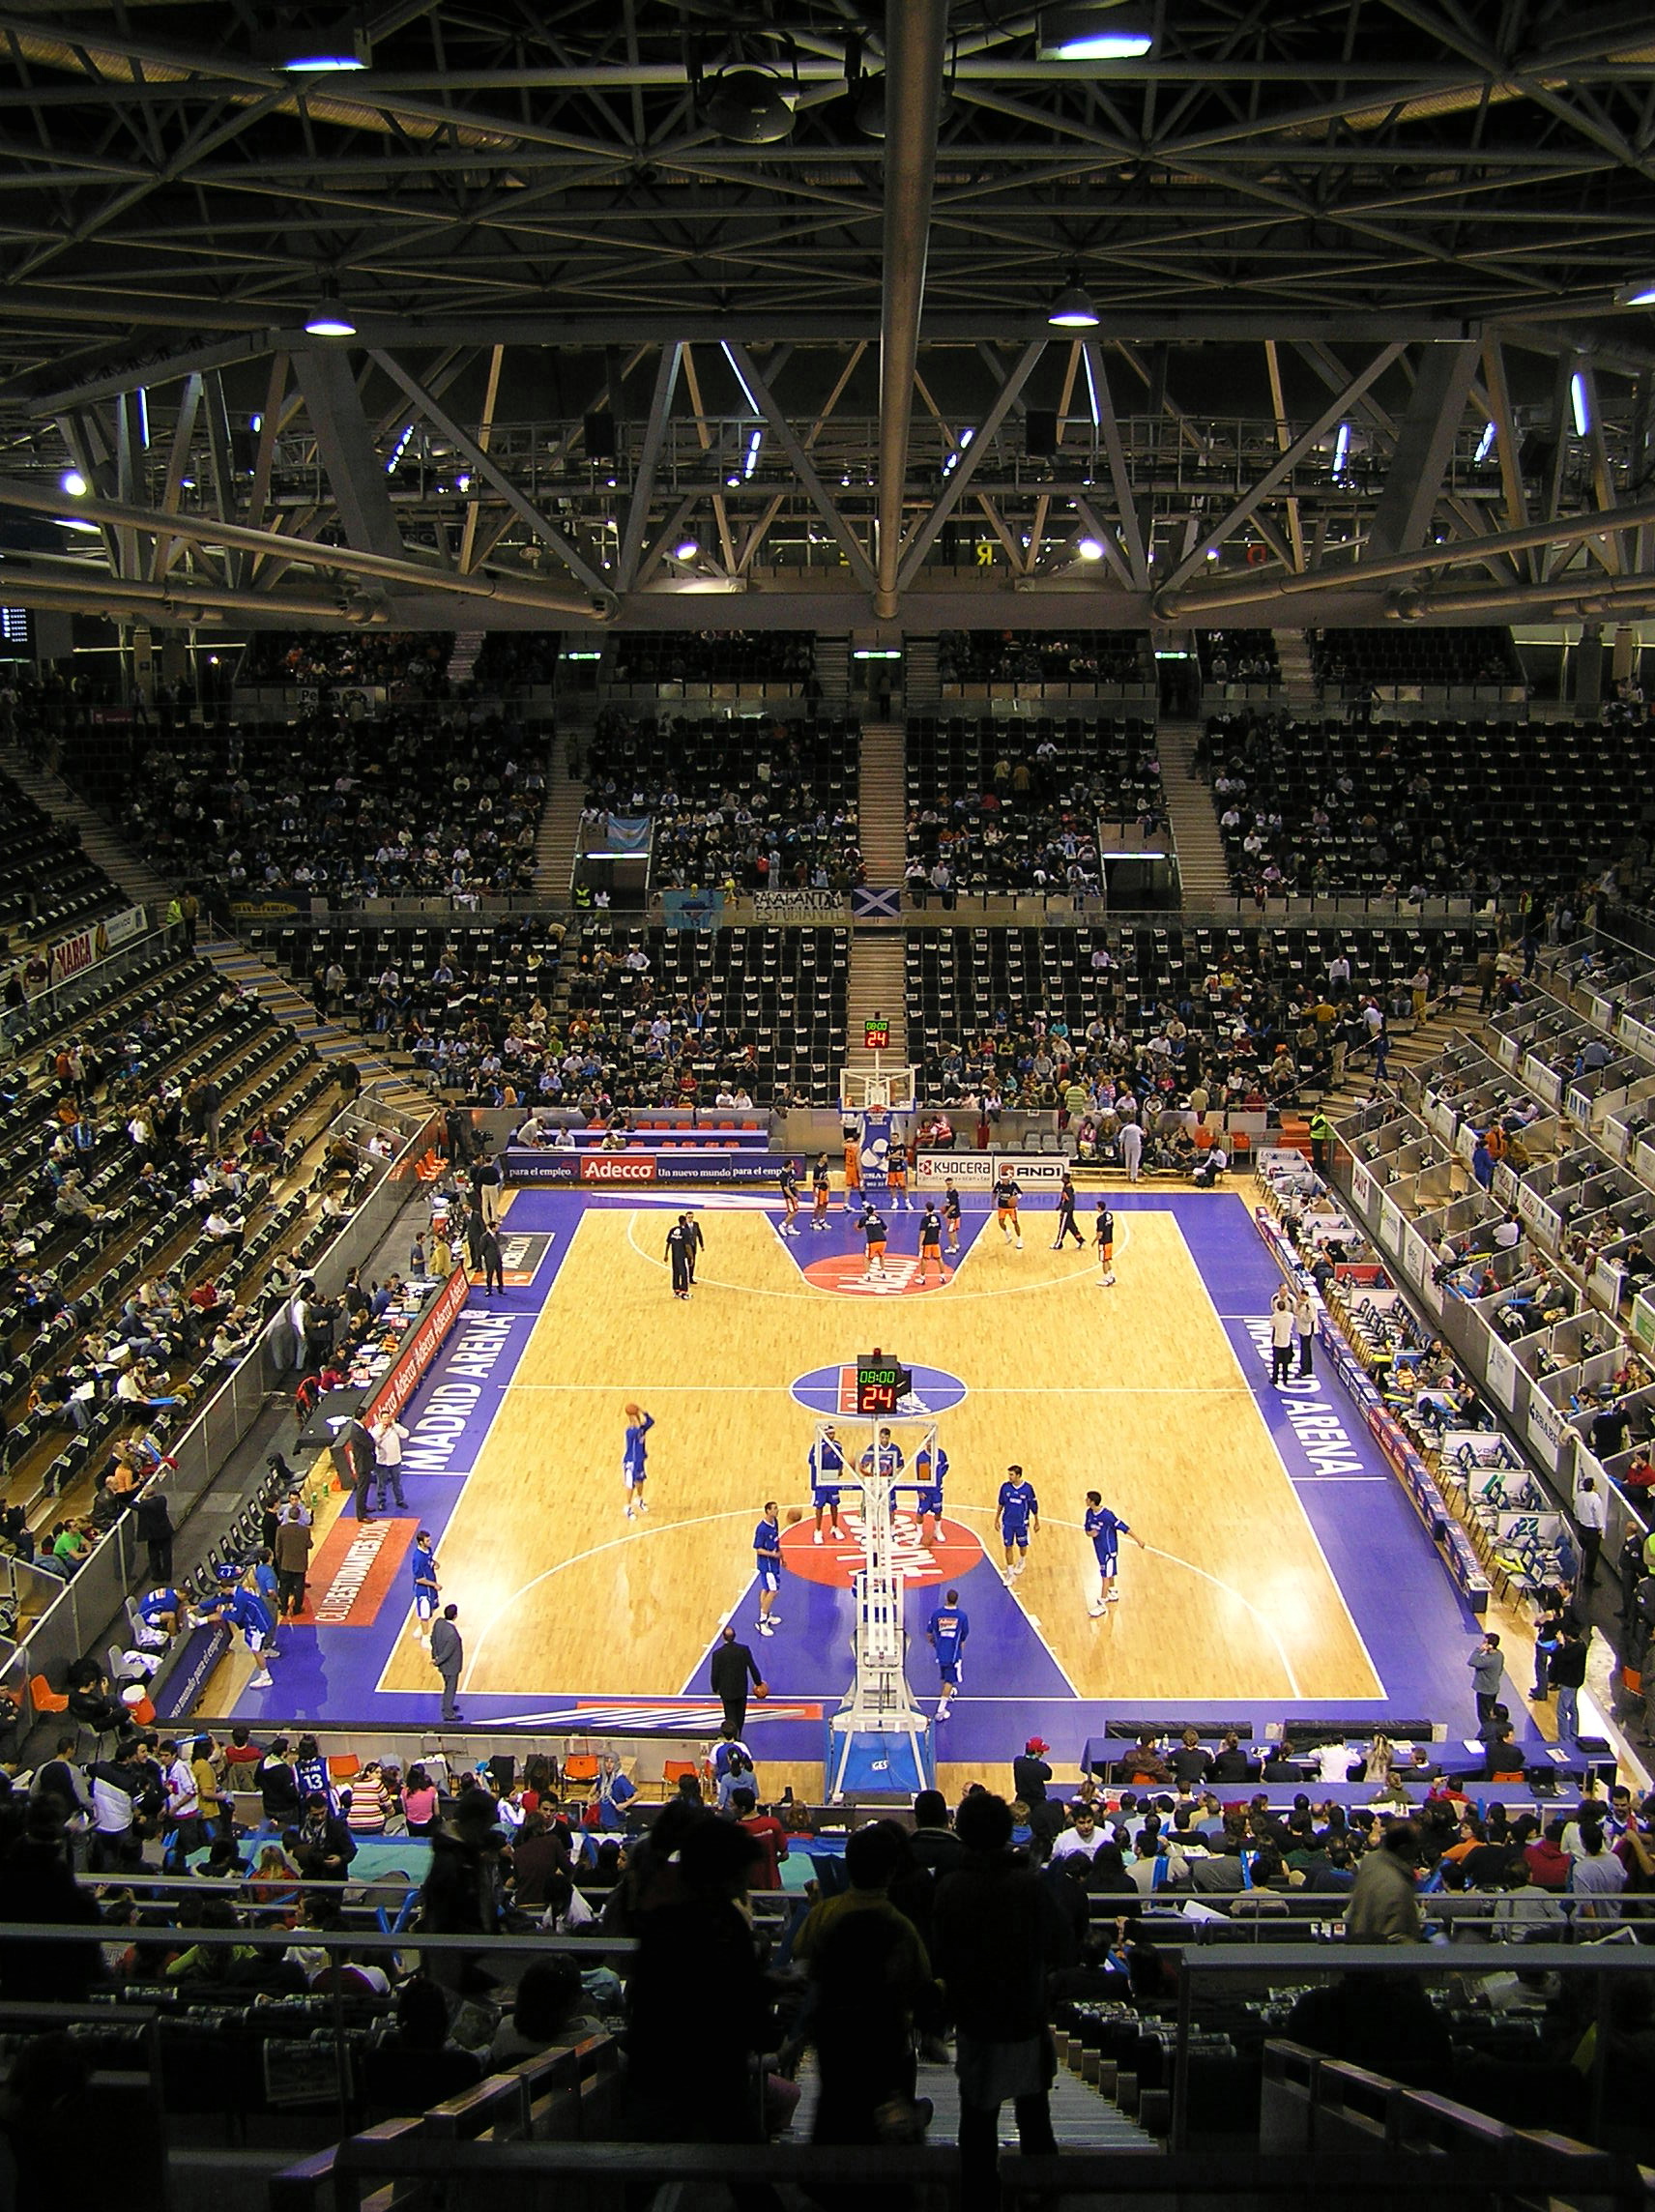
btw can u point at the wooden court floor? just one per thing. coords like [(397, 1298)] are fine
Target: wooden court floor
[(1134, 1391)]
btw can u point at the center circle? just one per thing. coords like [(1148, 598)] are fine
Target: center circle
[(832, 1391)]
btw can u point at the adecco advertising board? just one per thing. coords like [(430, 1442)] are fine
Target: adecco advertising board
[(624, 1171)]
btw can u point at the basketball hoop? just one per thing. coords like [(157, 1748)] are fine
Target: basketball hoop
[(877, 1090)]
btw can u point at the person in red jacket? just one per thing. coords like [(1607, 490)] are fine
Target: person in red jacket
[(1549, 1863)]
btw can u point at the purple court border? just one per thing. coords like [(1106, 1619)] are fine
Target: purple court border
[(1416, 1628)]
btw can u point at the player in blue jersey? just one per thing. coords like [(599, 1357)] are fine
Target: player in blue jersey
[(889, 1459), (788, 1178), (826, 1465), (158, 1610), (947, 1629), (634, 1458), (767, 1558), (1018, 1512), (1106, 1528), (422, 1565), (238, 1606), (928, 1505)]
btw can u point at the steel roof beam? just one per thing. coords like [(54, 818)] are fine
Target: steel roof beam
[(915, 34)]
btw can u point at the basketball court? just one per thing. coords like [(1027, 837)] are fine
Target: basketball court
[(1284, 1569)]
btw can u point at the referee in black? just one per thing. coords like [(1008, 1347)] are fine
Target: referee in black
[(680, 1254), (1066, 1224)]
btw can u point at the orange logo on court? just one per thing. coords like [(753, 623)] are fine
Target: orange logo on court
[(847, 1273), (955, 1552)]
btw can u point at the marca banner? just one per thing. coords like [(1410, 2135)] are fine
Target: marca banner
[(70, 955), (692, 910), (799, 905), (400, 1385)]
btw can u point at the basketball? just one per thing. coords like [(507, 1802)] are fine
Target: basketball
[(761, 1689), (632, 1412), (795, 1515)]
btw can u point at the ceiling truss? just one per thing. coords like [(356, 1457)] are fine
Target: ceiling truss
[(1356, 267)]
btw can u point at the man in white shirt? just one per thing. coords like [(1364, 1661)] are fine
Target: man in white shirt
[(1590, 1516), (1282, 1333), (1082, 1837), (388, 1438), (183, 1799)]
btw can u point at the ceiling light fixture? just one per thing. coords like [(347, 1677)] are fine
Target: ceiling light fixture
[(687, 549), (1072, 310), (73, 482), (330, 320), (1103, 32), (338, 42), (1639, 293), (748, 108), (1580, 404), (1091, 548)]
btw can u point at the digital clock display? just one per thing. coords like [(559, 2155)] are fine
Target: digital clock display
[(881, 1386), (876, 1036)]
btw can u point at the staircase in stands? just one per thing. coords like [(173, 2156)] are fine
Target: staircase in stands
[(1409, 1048), (833, 672), (560, 824), (468, 643), (140, 883), (882, 803), (874, 985), (1195, 835), (97, 841), (922, 685), (1293, 658)]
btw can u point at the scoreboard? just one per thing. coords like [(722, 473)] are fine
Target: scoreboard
[(881, 1383)]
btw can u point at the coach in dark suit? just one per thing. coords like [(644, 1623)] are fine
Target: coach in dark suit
[(733, 1668)]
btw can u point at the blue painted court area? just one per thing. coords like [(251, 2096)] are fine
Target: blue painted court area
[(1417, 1629)]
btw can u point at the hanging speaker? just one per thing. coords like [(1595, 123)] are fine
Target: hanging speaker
[(600, 443), (1040, 432)]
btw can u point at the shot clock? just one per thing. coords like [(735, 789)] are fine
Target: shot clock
[(881, 1385)]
